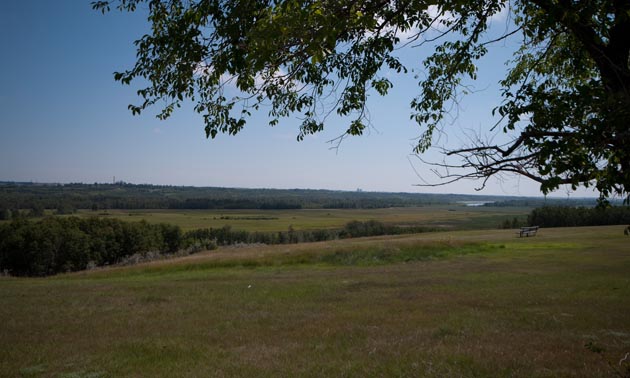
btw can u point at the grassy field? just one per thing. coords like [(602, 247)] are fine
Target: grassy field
[(442, 216), (454, 304)]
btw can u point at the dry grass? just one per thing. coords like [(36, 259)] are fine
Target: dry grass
[(509, 307)]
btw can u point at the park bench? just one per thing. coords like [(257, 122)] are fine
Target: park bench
[(528, 231)]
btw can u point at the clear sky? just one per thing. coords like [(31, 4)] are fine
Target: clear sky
[(63, 118)]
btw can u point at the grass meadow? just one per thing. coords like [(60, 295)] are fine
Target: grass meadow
[(436, 216), (447, 304)]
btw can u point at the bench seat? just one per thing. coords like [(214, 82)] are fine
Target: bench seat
[(528, 231)]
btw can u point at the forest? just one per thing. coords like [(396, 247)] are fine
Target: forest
[(65, 244), (65, 198), (564, 216)]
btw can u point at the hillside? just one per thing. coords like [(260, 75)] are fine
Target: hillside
[(467, 303), (131, 196)]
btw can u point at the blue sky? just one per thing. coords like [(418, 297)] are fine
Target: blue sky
[(63, 118)]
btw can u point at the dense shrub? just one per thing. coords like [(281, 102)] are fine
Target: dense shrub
[(63, 244), (57, 244), (369, 228), (562, 216), (226, 236)]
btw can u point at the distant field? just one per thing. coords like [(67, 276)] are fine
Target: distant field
[(448, 304), (453, 216)]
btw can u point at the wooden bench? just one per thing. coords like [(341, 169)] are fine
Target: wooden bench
[(527, 231)]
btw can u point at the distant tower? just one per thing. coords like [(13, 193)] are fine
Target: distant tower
[(114, 181)]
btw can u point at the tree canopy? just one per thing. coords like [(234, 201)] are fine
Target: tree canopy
[(565, 102)]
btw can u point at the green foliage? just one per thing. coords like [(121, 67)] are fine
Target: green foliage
[(65, 208), (565, 101), (64, 244), (563, 216), (55, 244), (5, 214), (509, 224), (369, 228), (37, 210), (226, 236), (69, 197)]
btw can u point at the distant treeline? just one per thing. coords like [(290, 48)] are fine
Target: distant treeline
[(228, 203), (542, 202), (563, 216), (69, 197), (65, 244)]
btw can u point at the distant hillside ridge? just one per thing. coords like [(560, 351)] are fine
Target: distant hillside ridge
[(65, 197)]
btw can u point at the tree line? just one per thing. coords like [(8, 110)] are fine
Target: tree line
[(65, 198), (55, 244), (564, 216), (65, 244), (207, 237)]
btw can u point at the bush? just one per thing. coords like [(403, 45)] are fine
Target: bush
[(55, 244), (563, 216)]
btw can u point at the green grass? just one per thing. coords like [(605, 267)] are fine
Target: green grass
[(468, 303), (442, 216)]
